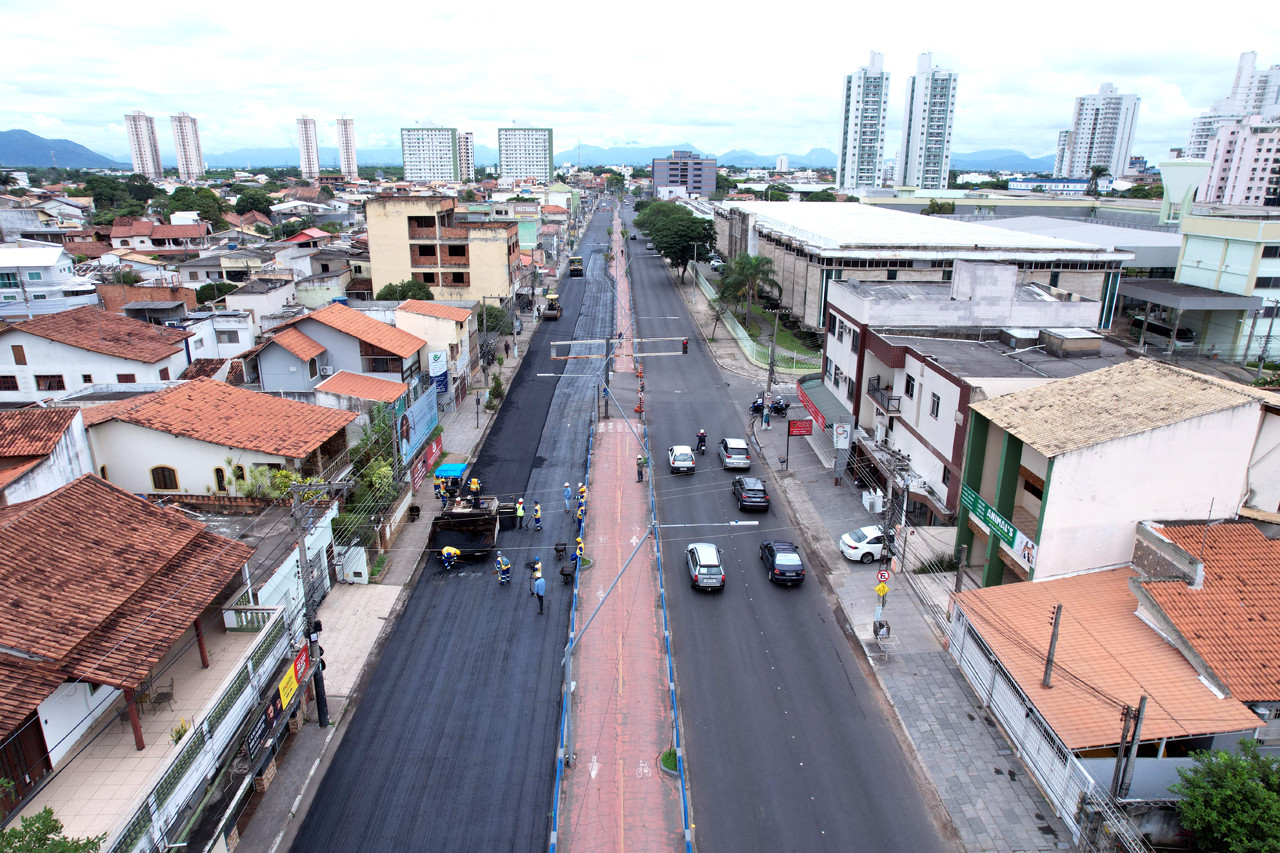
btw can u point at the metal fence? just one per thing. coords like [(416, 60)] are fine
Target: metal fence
[(785, 361)]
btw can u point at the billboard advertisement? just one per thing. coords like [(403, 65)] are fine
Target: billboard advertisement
[(415, 423)]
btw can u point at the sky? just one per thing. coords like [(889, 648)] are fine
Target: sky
[(767, 78)]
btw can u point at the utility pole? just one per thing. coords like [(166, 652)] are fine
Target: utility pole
[(773, 351), (1047, 681), (1266, 342), (308, 600)]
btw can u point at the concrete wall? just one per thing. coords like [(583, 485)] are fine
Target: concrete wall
[(50, 358), (281, 370), (70, 459), (69, 712), (129, 452), (259, 305), (1264, 465), (1099, 494)]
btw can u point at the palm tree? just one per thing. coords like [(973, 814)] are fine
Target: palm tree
[(7, 180), (746, 274), (1096, 173)]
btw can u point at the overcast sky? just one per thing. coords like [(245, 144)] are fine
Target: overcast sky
[(762, 77)]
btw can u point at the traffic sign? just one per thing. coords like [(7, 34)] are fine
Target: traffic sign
[(882, 589), (882, 575)]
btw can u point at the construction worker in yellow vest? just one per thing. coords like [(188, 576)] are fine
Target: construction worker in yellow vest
[(449, 555), (474, 488), (537, 516), (520, 514)]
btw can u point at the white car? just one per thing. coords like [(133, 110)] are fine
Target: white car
[(680, 459), (864, 544), (706, 569)]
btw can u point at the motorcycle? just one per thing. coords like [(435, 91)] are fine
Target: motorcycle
[(779, 407), (702, 444), (757, 406)]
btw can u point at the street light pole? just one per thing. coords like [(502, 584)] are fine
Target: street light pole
[(773, 350)]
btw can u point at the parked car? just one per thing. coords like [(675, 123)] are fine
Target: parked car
[(734, 453), (648, 246), (706, 568), (716, 263), (750, 493), (864, 544), (680, 459), (782, 561), (633, 236)]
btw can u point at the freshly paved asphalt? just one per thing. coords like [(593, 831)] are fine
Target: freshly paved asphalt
[(787, 745), (452, 746)]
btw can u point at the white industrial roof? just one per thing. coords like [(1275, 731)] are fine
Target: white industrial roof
[(29, 256), (1097, 233), (861, 230)]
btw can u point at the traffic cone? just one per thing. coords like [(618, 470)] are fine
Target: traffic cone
[(640, 405), (639, 370)]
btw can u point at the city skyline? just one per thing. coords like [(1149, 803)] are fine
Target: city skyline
[(789, 102)]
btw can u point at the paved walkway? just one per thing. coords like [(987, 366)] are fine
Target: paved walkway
[(991, 798)]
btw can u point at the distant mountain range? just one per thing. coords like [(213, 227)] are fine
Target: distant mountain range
[(22, 148)]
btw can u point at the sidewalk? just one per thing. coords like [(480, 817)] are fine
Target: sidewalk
[(357, 620), (991, 798)]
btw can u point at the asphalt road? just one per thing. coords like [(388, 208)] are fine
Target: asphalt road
[(452, 745), (787, 745)]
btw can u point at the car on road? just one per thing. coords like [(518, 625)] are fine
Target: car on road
[(716, 263), (706, 566), (734, 453), (633, 236), (782, 561), (648, 245), (864, 544), (750, 493), (680, 459)]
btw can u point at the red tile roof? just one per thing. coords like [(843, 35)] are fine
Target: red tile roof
[(1233, 619), (179, 232), (364, 328), (200, 368), (92, 250), (33, 432), (554, 208), (129, 227), (13, 467), (297, 343), (110, 582), (365, 387), (435, 309), (95, 330), (217, 413), (1106, 657)]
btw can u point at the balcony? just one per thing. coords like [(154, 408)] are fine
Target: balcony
[(881, 396), (422, 233)]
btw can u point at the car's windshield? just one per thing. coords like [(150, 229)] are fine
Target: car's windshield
[(709, 570)]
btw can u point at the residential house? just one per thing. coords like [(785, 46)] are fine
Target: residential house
[(232, 330), (304, 351), (116, 615), (262, 297), (419, 238), (154, 238), (224, 265), (116, 296), (1057, 477), (57, 354), (37, 280), (452, 344), (40, 450), (200, 437), (311, 238)]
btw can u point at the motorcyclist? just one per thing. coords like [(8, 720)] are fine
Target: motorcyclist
[(449, 555), (758, 406), (702, 441)]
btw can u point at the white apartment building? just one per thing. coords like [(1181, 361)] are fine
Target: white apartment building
[(308, 149), (36, 280), (1246, 164), (143, 145), (347, 148), (1253, 92), (866, 112), (466, 156), (782, 164), (924, 158), (1101, 134), (430, 153), (186, 139), (526, 152)]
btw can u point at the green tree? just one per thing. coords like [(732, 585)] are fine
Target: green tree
[(109, 215), (494, 321), (939, 207), (725, 184), (745, 275), (614, 183), (253, 199), (107, 192), (140, 188), (7, 180), (204, 201), (407, 289), (778, 192), (1231, 802), (42, 833), (820, 195), (677, 234), (326, 193), (469, 195), (1096, 173), (212, 291)]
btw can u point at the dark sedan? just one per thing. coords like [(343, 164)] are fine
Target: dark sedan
[(750, 493), (782, 561)]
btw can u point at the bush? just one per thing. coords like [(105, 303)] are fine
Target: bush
[(668, 759), (943, 562), (496, 390)]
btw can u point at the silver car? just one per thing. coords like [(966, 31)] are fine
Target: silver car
[(706, 567), (734, 453)]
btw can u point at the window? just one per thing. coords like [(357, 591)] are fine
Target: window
[(39, 296), (229, 337), (313, 368), (193, 276), (126, 378), (8, 279), (459, 278), (164, 479), (19, 354), (219, 480), (891, 275), (831, 323), (935, 404), (8, 383), (34, 276), (86, 378), (946, 476), (1271, 251), (911, 387), (50, 383), (164, 374), (237, 472), (853, 339), (102, 472)]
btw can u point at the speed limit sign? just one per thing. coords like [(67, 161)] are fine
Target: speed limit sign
[(882, 575)]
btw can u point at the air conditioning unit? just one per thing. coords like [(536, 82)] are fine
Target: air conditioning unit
[(326, 370), (880, 432)]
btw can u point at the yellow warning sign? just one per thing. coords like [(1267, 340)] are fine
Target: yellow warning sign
[(882, 588)]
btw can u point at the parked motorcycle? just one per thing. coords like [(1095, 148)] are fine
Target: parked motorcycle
[(779, 407), (757, 406)]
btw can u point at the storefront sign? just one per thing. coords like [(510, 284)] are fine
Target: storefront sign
[(296, 673), (804, 427), (426, 461), (1023, 546), (811, 408)]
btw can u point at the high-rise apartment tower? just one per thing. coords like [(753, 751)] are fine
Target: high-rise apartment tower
[(924, 157), (1101, 134), (430, 153), (143, 145), (1253, 93), (186, 140), (466, 157), (308, 149), (866, 110), (347, 148), (526, 152)]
